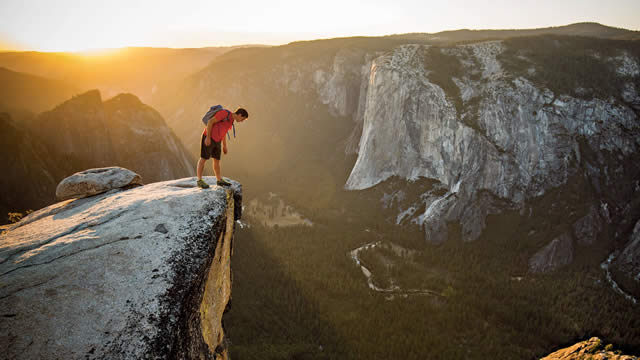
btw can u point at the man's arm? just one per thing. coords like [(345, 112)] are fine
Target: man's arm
[(224, 144)]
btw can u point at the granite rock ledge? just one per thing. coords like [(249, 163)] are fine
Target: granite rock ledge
[(128, 274)]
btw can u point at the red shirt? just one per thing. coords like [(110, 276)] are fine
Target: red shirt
[(221, 127)]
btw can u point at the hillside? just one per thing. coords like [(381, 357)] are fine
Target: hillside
[(81, 133), (140, 71), (29, 175), (23, 92), (588, 29)]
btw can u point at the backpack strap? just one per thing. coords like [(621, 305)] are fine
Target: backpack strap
[(232, 124)]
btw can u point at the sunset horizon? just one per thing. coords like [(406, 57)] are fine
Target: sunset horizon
[(73, 26), (10, 47)]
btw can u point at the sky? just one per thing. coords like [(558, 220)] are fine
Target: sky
[(78, 25)]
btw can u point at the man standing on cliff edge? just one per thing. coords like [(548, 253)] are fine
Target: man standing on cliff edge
[(212, 136)]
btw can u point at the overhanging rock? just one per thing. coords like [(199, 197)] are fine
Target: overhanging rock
[(141, 273)]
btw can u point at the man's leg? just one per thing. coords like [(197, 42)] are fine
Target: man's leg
[(216, 165), (205, 153), (200, 167), (216, 168), (201, 183)]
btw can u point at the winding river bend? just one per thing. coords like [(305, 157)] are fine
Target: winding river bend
[(396, 290), (391, 290)]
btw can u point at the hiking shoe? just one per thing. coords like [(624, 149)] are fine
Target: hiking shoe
[(202, 184), (223, 182)]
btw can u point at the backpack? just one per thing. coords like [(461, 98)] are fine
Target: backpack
[(212, 111)]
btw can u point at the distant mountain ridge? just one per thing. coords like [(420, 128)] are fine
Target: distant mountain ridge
[(81, 133), (588, 29), (134, 70), (25, 92)]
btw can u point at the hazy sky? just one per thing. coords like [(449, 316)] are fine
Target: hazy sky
[(50, 25)]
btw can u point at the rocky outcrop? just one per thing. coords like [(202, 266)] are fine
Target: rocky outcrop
[(508, 139), (96, 181), (121, 131), (557, 253), (272, 211), (139, 273), (592, 349), (143, 142)]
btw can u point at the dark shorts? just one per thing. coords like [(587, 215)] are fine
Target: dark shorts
[(212, 150)]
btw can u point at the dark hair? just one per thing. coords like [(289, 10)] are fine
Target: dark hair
[(242, 112)]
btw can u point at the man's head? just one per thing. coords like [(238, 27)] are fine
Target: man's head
[(240, 115)]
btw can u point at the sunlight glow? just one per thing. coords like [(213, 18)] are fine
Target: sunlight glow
[(74, 25)]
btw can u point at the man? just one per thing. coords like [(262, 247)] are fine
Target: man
[(214, 134)]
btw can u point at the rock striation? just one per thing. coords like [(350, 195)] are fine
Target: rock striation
[(127, 274), (96, 181)]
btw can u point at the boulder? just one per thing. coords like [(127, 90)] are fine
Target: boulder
[(557, 253), (143, 273), (96, 181)]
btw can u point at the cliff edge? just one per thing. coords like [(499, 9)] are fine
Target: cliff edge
[(140, 273)]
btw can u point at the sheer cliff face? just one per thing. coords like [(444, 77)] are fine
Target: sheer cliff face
[(511, 140)]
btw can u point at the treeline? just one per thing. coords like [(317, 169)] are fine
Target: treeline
[(297, 294)]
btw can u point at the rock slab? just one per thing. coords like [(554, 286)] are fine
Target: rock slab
[(96, 181), (141, 273)]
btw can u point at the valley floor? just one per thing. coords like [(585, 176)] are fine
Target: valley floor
[(298, 293)]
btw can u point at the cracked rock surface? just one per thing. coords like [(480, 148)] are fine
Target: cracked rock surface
[(120, 275)]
